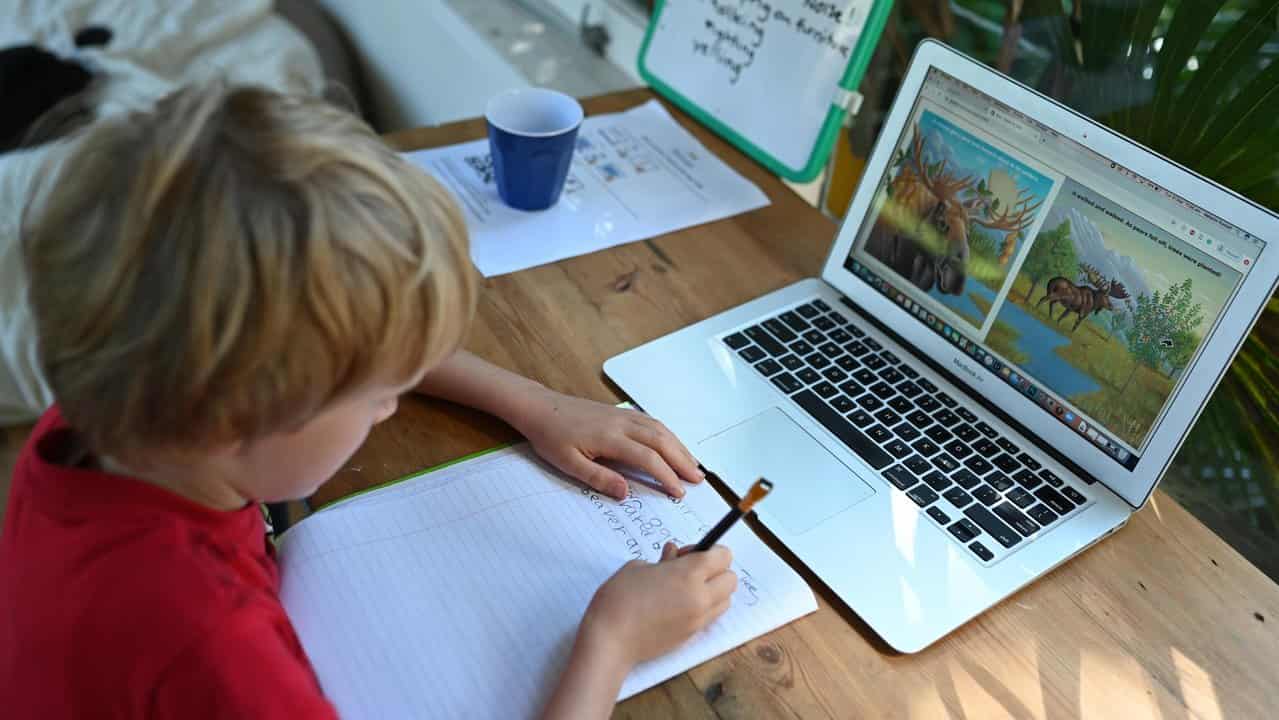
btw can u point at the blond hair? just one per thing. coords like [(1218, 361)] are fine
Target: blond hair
[(224, 267)]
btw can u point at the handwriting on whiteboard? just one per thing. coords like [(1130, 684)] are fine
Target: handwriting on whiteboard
[(734, 31)]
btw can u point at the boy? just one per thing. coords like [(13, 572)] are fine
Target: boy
[(229, 293)]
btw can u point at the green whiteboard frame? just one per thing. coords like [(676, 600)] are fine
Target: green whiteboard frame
[(852, 77)]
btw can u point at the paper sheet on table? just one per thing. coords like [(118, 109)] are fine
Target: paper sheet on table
[(635, 175), (458, 593)]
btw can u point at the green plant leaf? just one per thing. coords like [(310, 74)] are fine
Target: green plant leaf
[(1254, 110), (1184, 33)]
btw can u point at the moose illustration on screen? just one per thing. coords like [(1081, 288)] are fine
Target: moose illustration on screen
[(934, 206), (1083, 300)]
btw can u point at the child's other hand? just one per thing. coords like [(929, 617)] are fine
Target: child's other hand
[(572, 434), (647, 609)]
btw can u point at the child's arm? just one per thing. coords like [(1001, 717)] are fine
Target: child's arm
[(643, 611), (569, 432)]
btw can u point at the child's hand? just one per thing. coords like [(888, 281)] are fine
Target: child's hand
[(647, 609), (572, 433)]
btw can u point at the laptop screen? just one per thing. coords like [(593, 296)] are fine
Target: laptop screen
[(1086, 287)]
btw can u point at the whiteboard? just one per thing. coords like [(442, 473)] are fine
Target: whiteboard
[(770, 75)]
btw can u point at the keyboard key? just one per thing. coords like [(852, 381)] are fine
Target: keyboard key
[(864, 376), (856, 331), (794, 321), (861, 418), (965, 478), (927, 403), (817, 361), (847, 363), (1020, 498), (966, 414), (839, 319), (787, 383), (980, 551), (922, 495), (938, 434), (966, 432), (1007, 446), (839, 335), (946, 463), (1006, 462), (767, 367), (842, 403), (889, 357), (764, 340), (925, 447), (978, 464), (946, 417), (874, 362), (814, 337), (900, 477), (857, 349), (964, 530), (890, 375), (842, 429), (906, 432), (958, 449), (870, 343), (1028, 461), (908, 371), (917, 465), (1054, 500), (1014, 517), (919, 419), (1050, 478), (750, 353), (986, 494), (791, 362), (870, 402), (823, 323), (986, 448), (807, 311), (801, 348), (926, 385), (834, 374), (937, 514), (986, 429), (779, 330), (957, 497), (897, 448), (825, 389), (808, 376), (946, 400), (1027, 479), (831, 350), (1074, 495), (999, 481), (883, 390), (888, 417), (909, 389), (937, 481), (821, 305), (880, 434), (851, 388), (993, 526), (736, 341), (1042, 515), (901, 404)]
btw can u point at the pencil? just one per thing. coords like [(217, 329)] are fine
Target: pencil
[(754, 495)]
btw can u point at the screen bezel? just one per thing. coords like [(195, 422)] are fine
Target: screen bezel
[(1237, 319)]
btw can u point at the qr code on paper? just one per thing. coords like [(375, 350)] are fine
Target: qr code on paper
[(482, 165)]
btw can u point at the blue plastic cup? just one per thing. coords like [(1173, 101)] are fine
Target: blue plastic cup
[(532, 133)]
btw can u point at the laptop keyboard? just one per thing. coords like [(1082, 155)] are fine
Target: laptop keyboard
[(989, 494)]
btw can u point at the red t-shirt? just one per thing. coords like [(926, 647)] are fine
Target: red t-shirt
[(119, 599)]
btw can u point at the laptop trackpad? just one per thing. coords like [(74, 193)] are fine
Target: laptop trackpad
[(809, 484)]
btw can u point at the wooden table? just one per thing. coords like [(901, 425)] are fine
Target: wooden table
[(1162, 620)]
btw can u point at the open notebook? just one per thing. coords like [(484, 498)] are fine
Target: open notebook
[(457, 593)]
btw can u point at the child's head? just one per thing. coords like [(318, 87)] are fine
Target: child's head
[(238, 268)]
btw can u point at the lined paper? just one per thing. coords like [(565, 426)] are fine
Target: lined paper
[(458, 593)]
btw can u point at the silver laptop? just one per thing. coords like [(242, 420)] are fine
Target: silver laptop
[(1018, 323)]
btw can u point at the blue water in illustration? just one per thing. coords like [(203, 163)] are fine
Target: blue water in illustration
[(1036, 340)]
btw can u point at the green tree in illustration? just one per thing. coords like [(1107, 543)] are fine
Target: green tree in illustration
[(1184, 316), (1164, 330), (1052, 255)]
